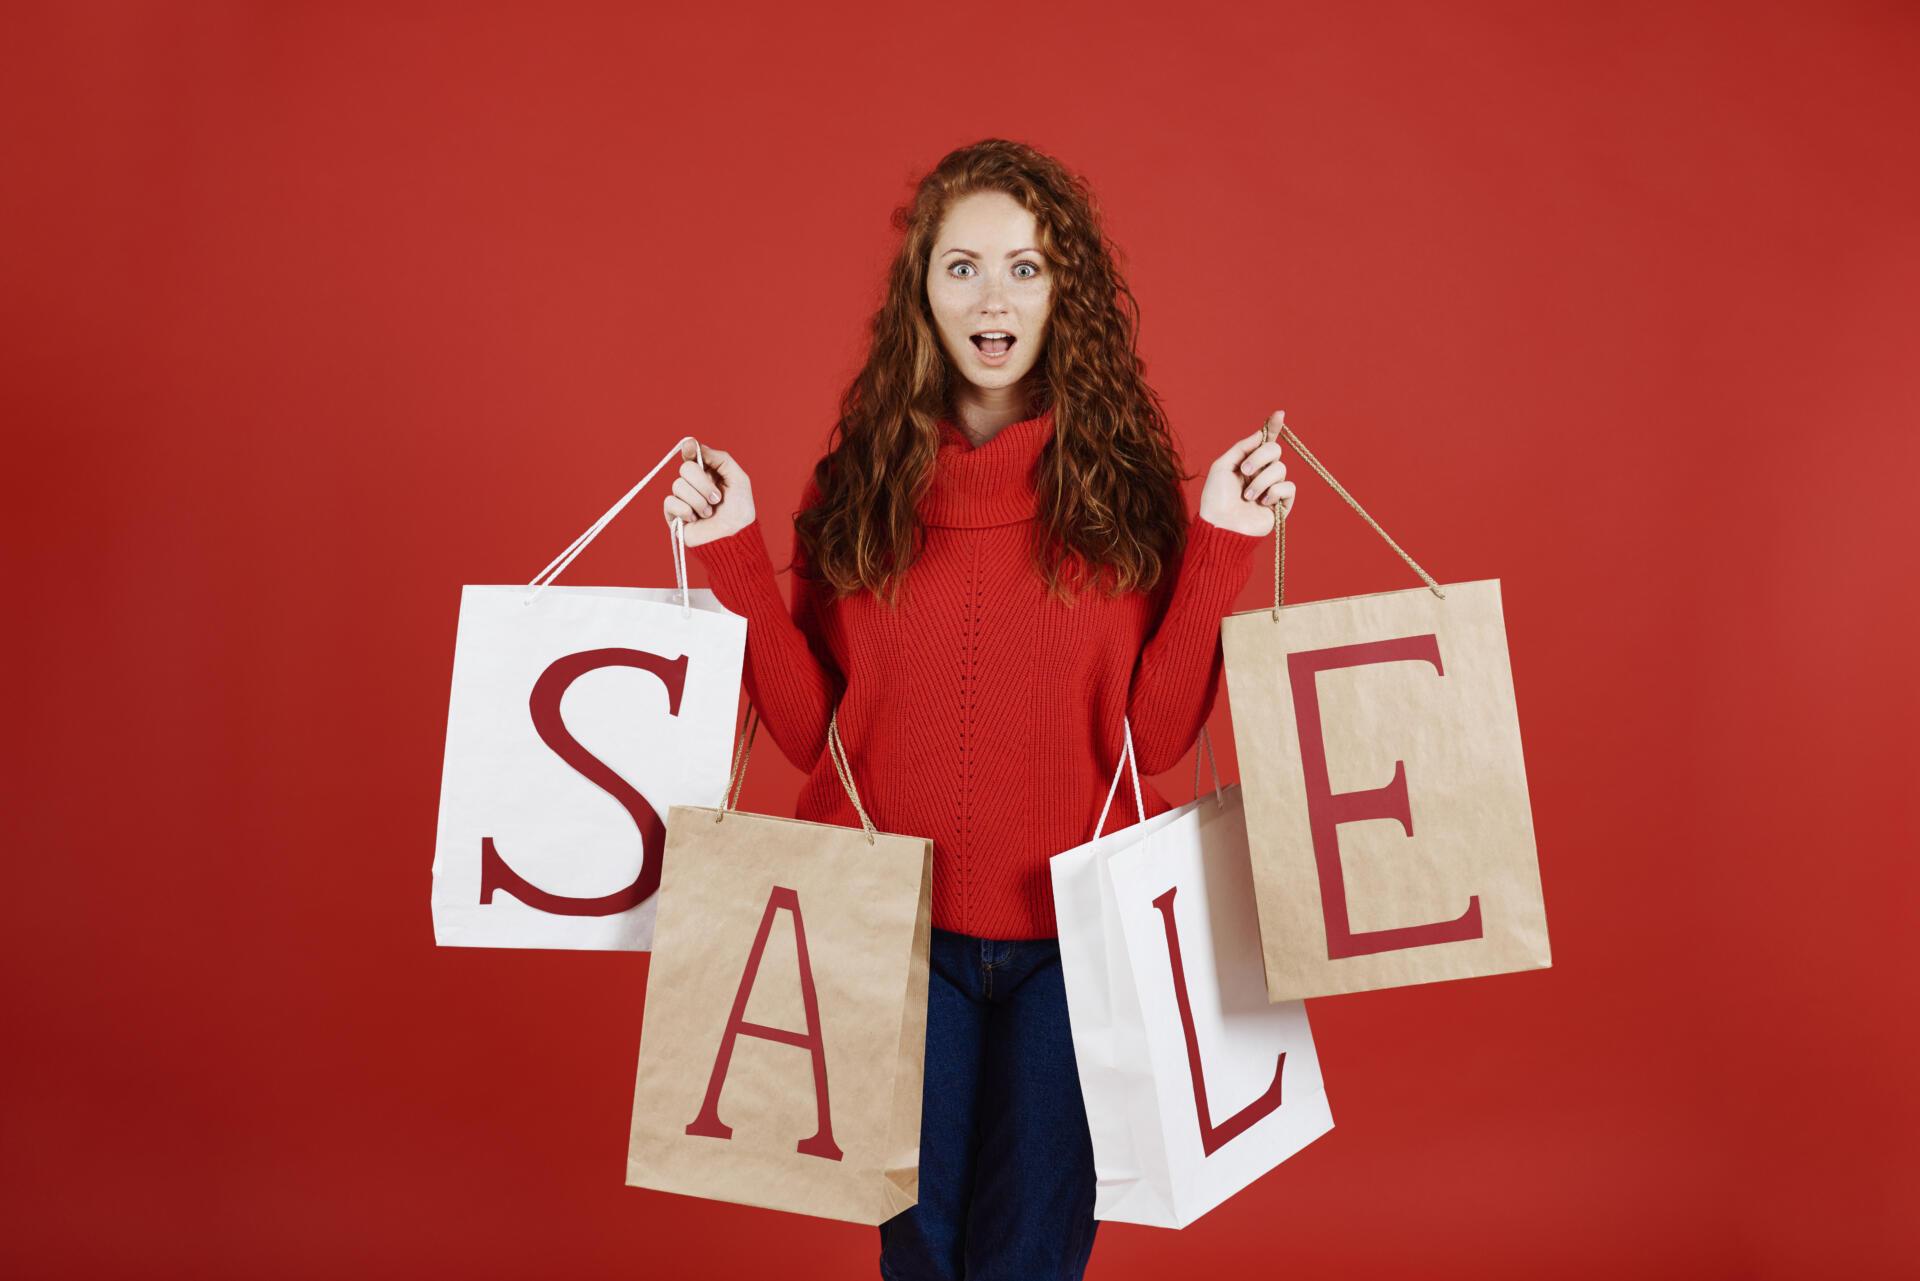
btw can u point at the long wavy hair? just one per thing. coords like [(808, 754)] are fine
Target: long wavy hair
[(1110, 503)]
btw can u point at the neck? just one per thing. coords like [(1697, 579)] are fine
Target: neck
[(981, 412)]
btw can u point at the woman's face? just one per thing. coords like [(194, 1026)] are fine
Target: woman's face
[(987, 276)]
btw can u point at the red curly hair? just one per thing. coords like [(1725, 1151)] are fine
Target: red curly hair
[(1108, 482)]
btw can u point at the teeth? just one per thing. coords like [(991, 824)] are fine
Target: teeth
[(994, 333)]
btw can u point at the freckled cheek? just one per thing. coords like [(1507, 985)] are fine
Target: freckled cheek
[(1037, 309), (950, 312), (1036, 325)]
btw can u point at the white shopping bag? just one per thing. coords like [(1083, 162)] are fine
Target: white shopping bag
[(1194, 1085), (578, 717)]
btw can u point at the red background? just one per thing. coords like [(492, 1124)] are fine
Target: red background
[(315, 313)]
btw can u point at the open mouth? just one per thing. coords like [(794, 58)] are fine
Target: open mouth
[(993, 342)]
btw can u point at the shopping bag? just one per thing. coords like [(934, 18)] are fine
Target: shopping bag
[(1386, 794), (784, 1034), (1194, 1084), (578, 716)]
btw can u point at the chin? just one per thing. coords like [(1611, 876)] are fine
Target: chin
[(994, 381)]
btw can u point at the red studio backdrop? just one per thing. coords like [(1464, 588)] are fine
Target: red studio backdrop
[(316, 312)]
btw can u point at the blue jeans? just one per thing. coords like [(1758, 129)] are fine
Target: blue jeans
[(1006, 1163)]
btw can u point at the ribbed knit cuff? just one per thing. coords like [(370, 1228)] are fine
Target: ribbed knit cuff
[(741, 573), (1216, 565)]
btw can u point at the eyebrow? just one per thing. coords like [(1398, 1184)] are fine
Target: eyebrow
[(1010, 253)]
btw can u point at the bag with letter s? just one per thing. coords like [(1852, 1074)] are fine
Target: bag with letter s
[(578, 716)]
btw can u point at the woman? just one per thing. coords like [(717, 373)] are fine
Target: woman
[(991, 568)]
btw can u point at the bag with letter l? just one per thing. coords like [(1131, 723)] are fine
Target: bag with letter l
[(578, 716), (1386, 794), (1194, 1084), (784, 1035)]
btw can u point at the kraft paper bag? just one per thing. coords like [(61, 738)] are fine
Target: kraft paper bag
[(1386, 794), (783, 1040), (578, 716), (1194, 1084)]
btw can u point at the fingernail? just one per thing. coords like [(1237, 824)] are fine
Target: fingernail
[(713, 498)]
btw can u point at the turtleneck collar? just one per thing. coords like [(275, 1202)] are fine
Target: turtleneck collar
[(977, 486)]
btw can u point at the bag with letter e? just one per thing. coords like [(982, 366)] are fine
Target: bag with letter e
[(1387, 810), (784, 1034), (578, 716), (1194, 1084)]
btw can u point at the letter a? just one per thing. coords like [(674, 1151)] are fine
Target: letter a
[(708, 1123), (1327, 809), (1212, 1137)]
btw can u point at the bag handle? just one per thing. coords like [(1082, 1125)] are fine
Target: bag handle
[(737, 772), (676, 535), (737, 775), (1280, 525), (1127, 758), (1127, 762), (1206, 741)]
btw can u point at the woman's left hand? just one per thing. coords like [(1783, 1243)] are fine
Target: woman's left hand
[(1246, 485)]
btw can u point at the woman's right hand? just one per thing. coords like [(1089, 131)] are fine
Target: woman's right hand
[(715, 500)]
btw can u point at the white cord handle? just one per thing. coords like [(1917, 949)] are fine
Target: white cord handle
[(1127, 762), (677, 535), (678, 538)]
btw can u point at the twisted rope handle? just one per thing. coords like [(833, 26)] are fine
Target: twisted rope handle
[(836, 750), (1206, 741), (737, 772), (1280, 525)]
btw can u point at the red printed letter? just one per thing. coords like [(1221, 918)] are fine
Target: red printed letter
[(1212, 1137), (708, 1123), (1326, 810), (545, 706)]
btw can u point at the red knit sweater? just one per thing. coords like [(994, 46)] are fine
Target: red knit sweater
[(982, 713)]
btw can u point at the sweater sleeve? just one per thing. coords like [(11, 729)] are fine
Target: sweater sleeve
[(790, 675), (1179, 670)]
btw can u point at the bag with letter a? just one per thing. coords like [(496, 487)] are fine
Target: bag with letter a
[(784, 1034), (1386, 794), (578, 716), (1194, 1084)]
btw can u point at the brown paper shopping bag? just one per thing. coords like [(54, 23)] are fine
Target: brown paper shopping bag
[(784, 1034), (1385, 792)]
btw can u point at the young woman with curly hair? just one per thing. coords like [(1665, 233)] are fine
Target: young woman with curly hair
[(993, 564)]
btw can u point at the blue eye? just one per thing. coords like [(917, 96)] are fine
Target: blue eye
[(1032, 269)]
